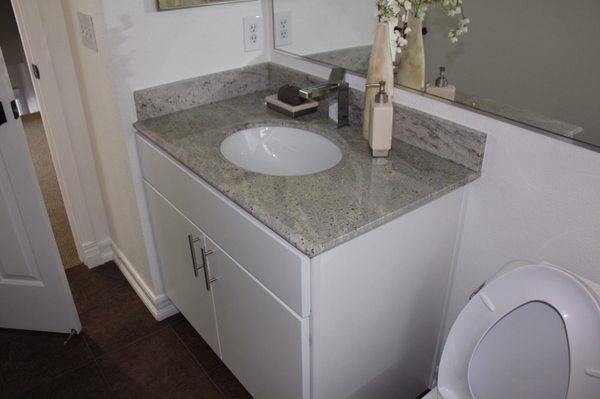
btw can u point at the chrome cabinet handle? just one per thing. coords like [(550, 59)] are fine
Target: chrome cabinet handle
[(193, 240), (209, 280)]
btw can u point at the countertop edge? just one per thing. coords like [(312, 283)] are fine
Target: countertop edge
[(329, 245)]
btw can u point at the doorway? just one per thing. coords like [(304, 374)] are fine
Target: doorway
[(28, 108), (46, 174)]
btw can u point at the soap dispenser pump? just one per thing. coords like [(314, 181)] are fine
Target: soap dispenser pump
[(382, 119)]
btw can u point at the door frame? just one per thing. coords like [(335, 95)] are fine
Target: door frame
[(43, 31)]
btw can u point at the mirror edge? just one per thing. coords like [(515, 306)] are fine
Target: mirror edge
[(162, 8)]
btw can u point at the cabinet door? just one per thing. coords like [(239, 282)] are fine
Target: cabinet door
[(263, 342), (181, 266)]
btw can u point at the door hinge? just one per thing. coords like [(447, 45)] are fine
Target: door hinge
[(36, 71), (2, 114)]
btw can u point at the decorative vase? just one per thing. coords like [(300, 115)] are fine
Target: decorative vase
[(381, 68), (411, 69)]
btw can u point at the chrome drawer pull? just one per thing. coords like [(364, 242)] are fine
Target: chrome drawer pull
[(193, 240), (207, 278)]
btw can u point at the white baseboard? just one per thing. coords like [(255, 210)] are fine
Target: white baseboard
[(159, 305), (96, 253)]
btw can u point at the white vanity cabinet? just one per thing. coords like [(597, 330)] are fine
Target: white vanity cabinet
[(180, 245), (261, 339), (362, 320), (263, 343)]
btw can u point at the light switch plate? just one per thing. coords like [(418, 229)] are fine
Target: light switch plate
[(283, 28), (253, 33), (86, 28)]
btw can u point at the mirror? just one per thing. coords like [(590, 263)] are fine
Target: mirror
[(534, 62), (175, 4)]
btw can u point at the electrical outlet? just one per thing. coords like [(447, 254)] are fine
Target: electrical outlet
[(86, 28), (253, 33), (283, 29)]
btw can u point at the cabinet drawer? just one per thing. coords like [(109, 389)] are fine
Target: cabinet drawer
[(263, 342), (274, 262)]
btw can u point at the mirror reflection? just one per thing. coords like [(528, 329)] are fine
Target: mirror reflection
[(534, 62)]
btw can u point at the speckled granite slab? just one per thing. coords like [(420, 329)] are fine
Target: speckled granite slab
[(316, 212)]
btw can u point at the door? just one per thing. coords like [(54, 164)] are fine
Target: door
[(180, 247), (34, 293), (263, 342)]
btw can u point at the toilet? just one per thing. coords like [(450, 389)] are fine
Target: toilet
[(531, 332)]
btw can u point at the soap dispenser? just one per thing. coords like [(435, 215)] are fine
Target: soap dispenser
[(382, 119), (442, 88)]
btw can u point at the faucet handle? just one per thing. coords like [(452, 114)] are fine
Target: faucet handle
[(337, 75)]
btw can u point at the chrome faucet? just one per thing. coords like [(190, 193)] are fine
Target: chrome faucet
[(336, 83)]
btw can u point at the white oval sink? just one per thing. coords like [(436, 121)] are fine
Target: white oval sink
[(280, 151)]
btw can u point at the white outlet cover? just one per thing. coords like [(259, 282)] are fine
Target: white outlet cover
[(283, 29), (86, 29), (253, 33)]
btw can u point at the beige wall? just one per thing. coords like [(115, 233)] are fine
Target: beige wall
[(138, 48), (108, 140)]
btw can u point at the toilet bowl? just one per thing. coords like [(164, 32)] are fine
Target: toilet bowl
[(531, 332)]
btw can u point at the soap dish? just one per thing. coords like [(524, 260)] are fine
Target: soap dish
[(293, 111)]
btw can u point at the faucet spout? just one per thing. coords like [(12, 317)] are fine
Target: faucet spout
[(337, 84)]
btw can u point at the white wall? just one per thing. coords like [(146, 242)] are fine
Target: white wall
[(319, 25), (138, 48), (541, 55)]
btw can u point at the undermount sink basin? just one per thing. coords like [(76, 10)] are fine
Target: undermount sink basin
[(280, 151)]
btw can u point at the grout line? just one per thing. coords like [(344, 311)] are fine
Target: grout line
[(120, 348), (98, 368), (188, 350)]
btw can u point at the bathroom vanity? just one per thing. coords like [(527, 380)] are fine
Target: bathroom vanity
[(310, 286)]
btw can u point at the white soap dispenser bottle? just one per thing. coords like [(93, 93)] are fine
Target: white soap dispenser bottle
[(382, 119)]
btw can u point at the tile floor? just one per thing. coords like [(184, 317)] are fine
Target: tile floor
[(122, 353)]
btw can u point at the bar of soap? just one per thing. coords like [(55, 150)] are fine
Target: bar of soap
[(290, 95)]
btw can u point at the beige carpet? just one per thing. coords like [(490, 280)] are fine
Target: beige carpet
[(40, 153)]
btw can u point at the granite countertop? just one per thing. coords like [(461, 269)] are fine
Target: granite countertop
[(317, 212)]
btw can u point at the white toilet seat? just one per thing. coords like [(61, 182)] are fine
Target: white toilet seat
[(569, 295)]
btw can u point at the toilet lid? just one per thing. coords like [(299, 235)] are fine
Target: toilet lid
[(571, 301)]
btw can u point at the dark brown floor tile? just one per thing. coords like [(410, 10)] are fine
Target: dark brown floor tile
[(117, 322), (35, 358), (158, 366), (7, 335), (197, 346), (175, 319), (228, 384), (2, 394), (94, 287), (85, 382)]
